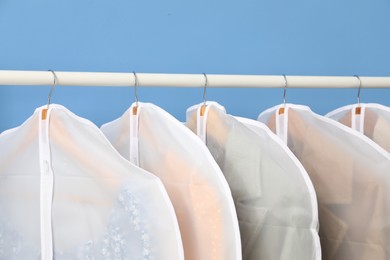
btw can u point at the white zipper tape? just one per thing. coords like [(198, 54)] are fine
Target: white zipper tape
[(46, 186), (134, 131)]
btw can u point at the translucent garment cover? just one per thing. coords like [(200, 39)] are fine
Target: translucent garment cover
[(373, 120), (198, 190), (351, 175), (65, 193), (274, 198)]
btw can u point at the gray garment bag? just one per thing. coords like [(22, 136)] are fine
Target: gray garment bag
[(274, 198)]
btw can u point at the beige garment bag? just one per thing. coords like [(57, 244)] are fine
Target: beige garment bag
[(150, 137), (351, 175)]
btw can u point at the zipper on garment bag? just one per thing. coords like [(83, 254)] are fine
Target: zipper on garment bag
[(201, 122), (202, 110), (134, 141), (281, 116), (46, 186), (281, 111), (135, 110), (358, 119), (44, 113)]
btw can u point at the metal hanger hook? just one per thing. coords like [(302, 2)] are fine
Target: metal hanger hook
[(360, 86), (52, 87), (285, 89), (136, 88), (206, 82)]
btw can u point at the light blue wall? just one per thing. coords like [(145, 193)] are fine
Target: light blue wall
[(301, 37)]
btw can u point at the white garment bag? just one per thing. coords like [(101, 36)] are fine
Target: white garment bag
[(351, 175), (274, 198), (372, 120), (65, 193), (157, 142)]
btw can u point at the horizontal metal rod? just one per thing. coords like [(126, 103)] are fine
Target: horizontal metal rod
[(44, 78)]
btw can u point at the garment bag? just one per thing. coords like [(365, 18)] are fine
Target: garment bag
[(351, 176), (274, 198), (372, 120), (157, 142), (65, 193)]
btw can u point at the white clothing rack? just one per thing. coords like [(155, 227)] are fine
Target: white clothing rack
[(15, 77)]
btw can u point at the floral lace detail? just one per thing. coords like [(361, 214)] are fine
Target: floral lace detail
[(126, 237), (130, 205)]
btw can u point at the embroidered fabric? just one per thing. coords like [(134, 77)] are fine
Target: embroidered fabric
[(117, 241)]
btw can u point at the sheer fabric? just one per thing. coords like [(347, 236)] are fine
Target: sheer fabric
[(274, 198), (372, 120), (102, 207), (197, 188), (351, 176)]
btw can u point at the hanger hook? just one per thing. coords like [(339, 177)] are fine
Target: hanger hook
[(360, 86), (285, 89), (206, 82), (52, 88), (136, 88)]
